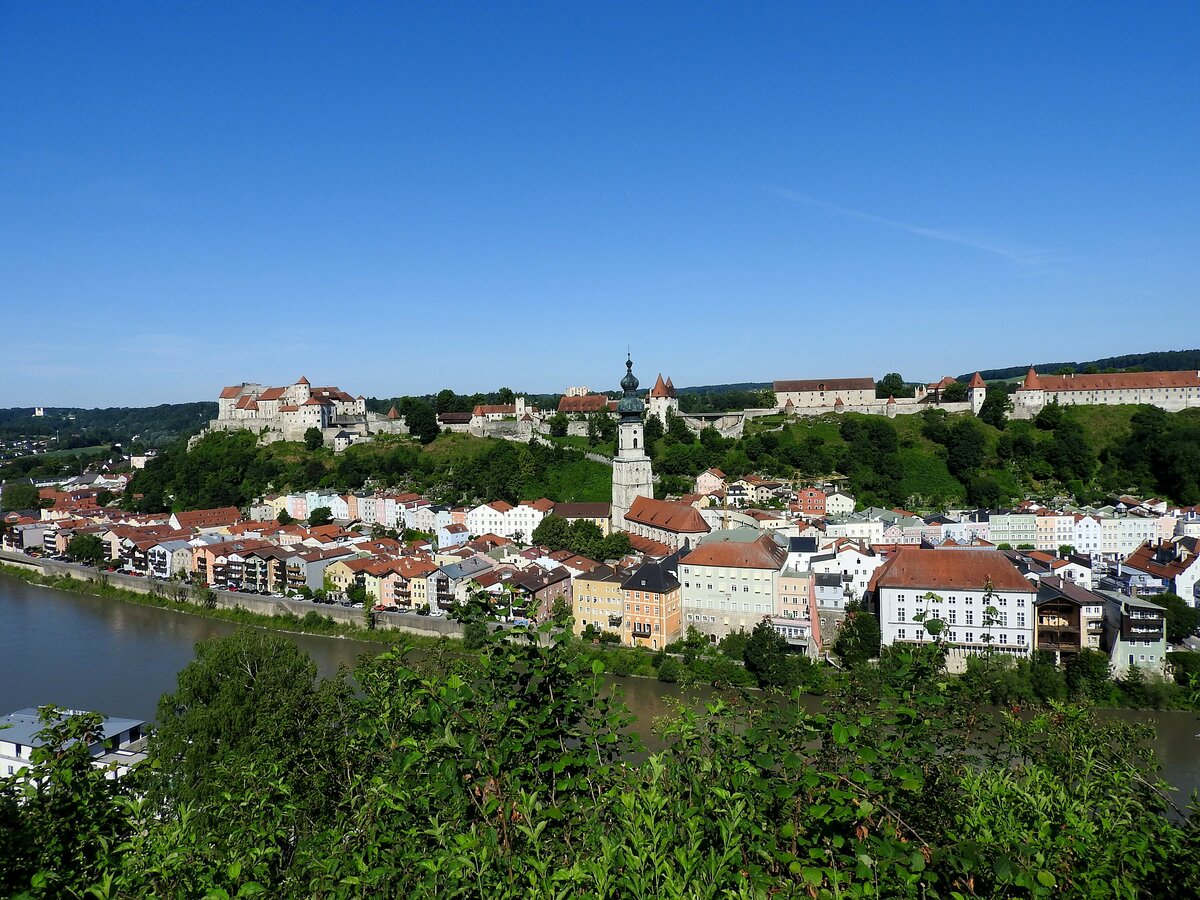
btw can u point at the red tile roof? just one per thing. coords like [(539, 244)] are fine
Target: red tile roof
[(272, 393), (927, 569), (977, 381), (831, 384), (761, 553), (230, 392), (586, 404), (681, 518), (208, 518), (1119, 381)]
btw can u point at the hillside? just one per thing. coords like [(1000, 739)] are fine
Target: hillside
[(228, 468), (932, 460), (1156, 361)]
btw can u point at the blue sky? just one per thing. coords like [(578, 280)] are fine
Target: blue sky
[(398, 198)]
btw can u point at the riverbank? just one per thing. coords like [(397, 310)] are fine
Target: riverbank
[(313, 623)]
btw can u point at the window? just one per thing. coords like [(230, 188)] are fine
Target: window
[(901, 615), (953, 617), (970, 617), (1020, 620), (902, 633), (1003, 638)]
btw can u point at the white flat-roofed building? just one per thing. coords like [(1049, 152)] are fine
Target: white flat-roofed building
[(119, 744)]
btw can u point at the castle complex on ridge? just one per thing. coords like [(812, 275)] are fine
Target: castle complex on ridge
[(286, 413)]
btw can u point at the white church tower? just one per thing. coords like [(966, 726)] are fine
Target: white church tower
[(632, 473)]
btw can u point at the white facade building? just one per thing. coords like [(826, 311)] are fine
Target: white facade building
[(962, 579)]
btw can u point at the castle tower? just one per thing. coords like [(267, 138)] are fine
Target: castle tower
[(661, 399), (632, 473), (976, 393), (1030, 397)]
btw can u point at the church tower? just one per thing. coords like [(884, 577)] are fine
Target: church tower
[(632, 474)]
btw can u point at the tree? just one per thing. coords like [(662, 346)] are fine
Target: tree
[(765, 656), (284, 517), (615, 545), (88, 549), (250, 699), (1183, 621), (558, 425), (954, 393), (652, 433), (859, 638), (965, 448), (59, 818), (475, 635), (320, 516), (313, 439), (104, 497), (995, 405), (447, 401), (1089, 675), (892, 385), (19, 495), (553, 533), (506, 397), (420, 418), (677, 429), (560, 613), (601, 428)]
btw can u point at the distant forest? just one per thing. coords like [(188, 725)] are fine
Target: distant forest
[(1158, 361), (151, 426)]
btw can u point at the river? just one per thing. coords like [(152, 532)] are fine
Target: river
[(118, 658)]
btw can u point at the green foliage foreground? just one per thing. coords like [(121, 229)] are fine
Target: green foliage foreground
[(514, 774)]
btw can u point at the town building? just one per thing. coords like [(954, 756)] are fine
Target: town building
[(1138, 633), (730, 581), (1069, 618), (653, 605), (119, 744), (795, 615), (599, 600), (985, 602), (599, 514), (1166, 566)]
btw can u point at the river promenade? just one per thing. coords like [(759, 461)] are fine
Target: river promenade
[(187, 595)]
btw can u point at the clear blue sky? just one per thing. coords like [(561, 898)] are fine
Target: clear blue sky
[(398, 198)]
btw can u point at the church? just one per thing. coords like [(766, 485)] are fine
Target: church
[(634, 509)]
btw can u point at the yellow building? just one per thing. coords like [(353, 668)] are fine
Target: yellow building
[(599, 600)]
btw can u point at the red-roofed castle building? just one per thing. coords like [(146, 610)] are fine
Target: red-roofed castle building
[(286, 413), (1171, 391)]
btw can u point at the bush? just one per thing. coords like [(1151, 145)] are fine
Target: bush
[(475, 635), (669, 670)]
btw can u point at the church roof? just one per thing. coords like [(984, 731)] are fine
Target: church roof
[(681, 518)]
